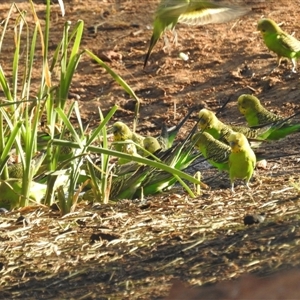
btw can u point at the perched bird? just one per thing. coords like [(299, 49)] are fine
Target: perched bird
[(164, 141), (254, 112), (257, 115), (242, 159), (147, 180), (191, 12), (208, 122), (216, 152), (122, 133), (280, 42)]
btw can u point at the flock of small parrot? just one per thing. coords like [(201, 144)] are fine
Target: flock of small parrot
[(228, 148)]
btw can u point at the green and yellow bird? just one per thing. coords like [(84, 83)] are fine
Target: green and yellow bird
[(280, 42), (121, 133), (208, 122), (257, 115), (165, 140), (15, 170), (242, 159), (216, 152), (191, 12)]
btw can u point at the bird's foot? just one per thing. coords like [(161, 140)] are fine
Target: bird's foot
[(294, 63), (232, 189)]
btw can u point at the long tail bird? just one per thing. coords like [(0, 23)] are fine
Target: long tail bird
[(190, 12)]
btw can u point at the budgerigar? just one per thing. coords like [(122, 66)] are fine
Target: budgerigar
[(280, 42), (242, 159), (256, 114), (148, 180), (208, 122), (216, 152), (122, 133), (191, 12)]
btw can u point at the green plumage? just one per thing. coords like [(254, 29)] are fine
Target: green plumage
[(122, 133), (242, 159), (146, 180), (195, 12), (208, 122), (164, 141), (16, 170), (257, 115), (128, 148), (11, 190), (216, 152), (280, 42), (151, 144)]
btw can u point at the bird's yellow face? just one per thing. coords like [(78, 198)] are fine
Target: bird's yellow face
[(247, 103), (117, 132), (237, 141), (267, 26), (205, 119), (120, 131)]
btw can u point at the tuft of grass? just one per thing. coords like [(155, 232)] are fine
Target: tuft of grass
[(58, 159)]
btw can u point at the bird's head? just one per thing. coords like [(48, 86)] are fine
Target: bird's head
[(237, 141), (121, 131), (151, 144), (248, 103), (206, 119), (267, 26)]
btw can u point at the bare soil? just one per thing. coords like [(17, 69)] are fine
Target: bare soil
[(131, 250)]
